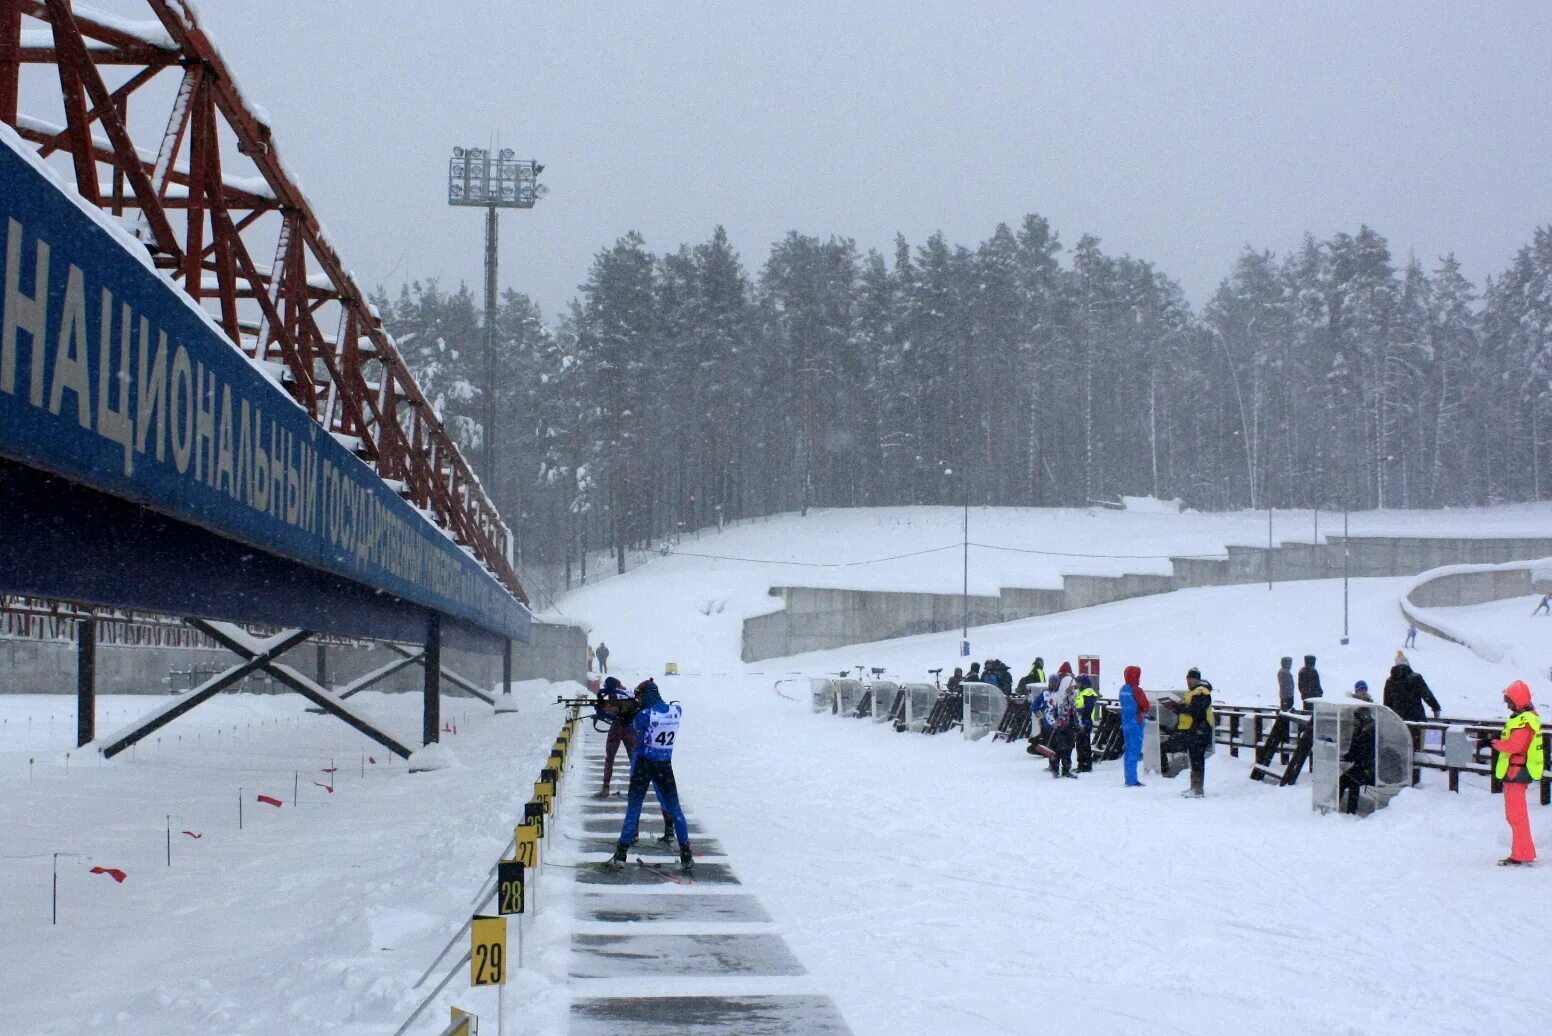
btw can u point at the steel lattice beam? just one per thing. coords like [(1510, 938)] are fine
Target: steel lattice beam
[(303, 315)]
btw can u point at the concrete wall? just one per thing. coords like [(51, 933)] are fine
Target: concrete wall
[(815, 619), (556, 652), (1462, 588), (1021, 602)]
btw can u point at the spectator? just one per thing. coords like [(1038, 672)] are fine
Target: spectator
[(958, 678), (1361, 691), (1521, 760), (1060, 716), (1194, 731), (1034, 680), (602, 654), (1309, 682), (1359, 757), (1134, 716), (1285, 685), (1086, 704)]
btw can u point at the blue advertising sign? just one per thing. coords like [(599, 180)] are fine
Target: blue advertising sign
[(111, 377)]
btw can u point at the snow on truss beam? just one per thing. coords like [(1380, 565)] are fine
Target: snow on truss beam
[(194, 216)]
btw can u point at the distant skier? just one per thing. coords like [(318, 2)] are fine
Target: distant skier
[(1194, 730), (1309, 683), (1411, 637), (656, 727), (602, 654), (1134, 717), (1285, 685), (1086, 706), (1544, 606), (1521, 760)]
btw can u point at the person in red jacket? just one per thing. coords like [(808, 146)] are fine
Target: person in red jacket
[(1521, 760)]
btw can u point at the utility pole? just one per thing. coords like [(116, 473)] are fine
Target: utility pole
[(964, 593)]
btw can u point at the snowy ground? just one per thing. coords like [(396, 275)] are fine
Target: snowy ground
[(950, 887), (929, 885), (315, 917)]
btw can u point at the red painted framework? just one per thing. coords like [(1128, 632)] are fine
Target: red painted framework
[(353, 382)]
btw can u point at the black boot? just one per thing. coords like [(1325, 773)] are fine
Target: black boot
[(666, 839), (686, 860), (617, 861)]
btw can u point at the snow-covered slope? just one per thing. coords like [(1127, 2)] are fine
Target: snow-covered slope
[(689, 607)]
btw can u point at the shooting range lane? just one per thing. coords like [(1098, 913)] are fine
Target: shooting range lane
[(653, 952)]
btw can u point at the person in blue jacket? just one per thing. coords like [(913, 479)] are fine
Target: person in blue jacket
[(657, 728), (1134, 715)]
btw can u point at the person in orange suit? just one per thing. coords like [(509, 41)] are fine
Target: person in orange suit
[(1521, 761)]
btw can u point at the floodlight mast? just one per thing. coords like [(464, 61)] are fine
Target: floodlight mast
[(477, 178)]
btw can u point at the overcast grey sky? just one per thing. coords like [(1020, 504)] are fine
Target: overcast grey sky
[(1177, 132)]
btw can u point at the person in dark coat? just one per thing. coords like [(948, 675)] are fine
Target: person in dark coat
[(1033, 681), (1309, 683), (1285, 685), (1359, 757), (1406, 693), (957, 679), (602, 654)]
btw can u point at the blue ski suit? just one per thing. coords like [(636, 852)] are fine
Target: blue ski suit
[(1132, 723), (657, 727)]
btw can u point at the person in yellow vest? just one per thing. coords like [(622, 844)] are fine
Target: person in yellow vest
[(1194, 730), (1521, 760)]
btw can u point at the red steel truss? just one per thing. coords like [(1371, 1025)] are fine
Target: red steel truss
[(207, 193)]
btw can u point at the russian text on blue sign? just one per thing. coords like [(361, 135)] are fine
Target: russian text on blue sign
[(109, 376)]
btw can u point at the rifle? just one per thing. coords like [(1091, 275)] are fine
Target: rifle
[(605, 710)]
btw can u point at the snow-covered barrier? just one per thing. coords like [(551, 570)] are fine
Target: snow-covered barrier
[(984, 704), (848, 695), (1461, 585), (821, 695), (884, 694), (919, 700)]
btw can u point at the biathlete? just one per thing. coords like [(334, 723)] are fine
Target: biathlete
[(617, 707), (656, 728)]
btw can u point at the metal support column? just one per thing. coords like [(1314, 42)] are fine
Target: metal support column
[(431, 722), (85, 681), (322, 675), (504, 700), (492, 232)]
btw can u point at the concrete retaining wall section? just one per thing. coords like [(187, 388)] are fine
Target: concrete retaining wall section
[(1463, 588), (817, 619)]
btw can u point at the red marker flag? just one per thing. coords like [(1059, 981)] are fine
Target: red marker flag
[(326, 787), (194, 834), (112, 872), (271, 800)]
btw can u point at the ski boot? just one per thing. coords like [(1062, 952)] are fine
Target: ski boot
[(617, 861), (666, 839), (603, 794), (686, 860)]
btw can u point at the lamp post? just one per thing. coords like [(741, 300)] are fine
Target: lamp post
[(477, 178)]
